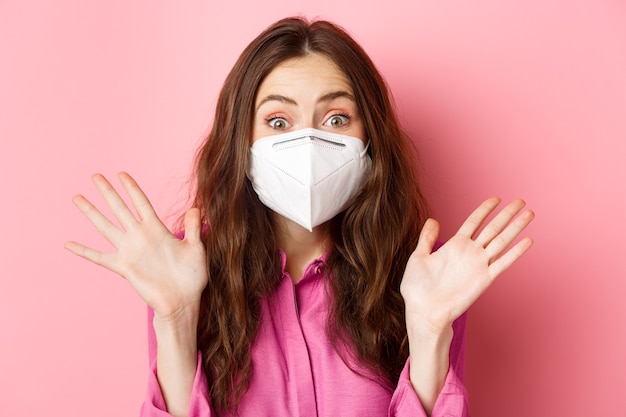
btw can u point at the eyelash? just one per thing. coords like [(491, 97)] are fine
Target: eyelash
[(346, 115), (270, 119)]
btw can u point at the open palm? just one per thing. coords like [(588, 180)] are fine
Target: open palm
[(168, 273), (439, 286)]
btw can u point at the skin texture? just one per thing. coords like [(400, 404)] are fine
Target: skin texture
[(170, 274)]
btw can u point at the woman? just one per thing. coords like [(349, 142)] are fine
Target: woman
[(300, 286)]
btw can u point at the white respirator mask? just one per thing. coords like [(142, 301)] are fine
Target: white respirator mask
[(307, 175)]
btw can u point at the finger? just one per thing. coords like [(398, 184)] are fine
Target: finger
[(478, 216), (428, 237), (508, 235), (113, 199), (138, 197), (101, 223), (502, 219), (193, 225), (509, 258), (103, 259)]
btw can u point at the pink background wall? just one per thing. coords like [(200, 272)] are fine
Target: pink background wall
[(515, 98)]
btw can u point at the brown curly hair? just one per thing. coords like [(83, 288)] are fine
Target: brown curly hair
[(372, 238)]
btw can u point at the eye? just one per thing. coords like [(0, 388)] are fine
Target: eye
[(277, 123), (337, 120)]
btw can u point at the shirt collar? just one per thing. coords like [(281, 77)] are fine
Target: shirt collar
[(315, 267)]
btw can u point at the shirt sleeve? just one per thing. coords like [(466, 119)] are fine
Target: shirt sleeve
[(452, 400), (154, 404)]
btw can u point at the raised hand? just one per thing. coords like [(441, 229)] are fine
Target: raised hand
[(439, 286), (168, 273)]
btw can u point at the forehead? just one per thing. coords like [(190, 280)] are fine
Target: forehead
[(314, 73)]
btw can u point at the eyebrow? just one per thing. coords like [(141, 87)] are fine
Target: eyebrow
[(337, 94), (326, 97), (276, 97)]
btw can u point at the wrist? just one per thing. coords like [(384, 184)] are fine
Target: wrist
[(429, 334), (181, 321)]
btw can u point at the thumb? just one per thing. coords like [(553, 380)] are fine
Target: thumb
[(428, 237), (193, 225)]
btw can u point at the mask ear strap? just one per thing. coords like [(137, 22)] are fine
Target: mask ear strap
[(367, 145)]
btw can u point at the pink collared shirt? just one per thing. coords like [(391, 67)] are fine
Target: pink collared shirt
[(298, 373)]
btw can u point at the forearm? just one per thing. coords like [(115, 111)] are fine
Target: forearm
[(177, 356), (429, 362)]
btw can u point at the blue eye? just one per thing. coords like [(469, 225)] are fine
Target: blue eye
[(278, 123), (337, 120)]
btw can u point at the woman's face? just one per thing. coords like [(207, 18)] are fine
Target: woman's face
[(307, 92)]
